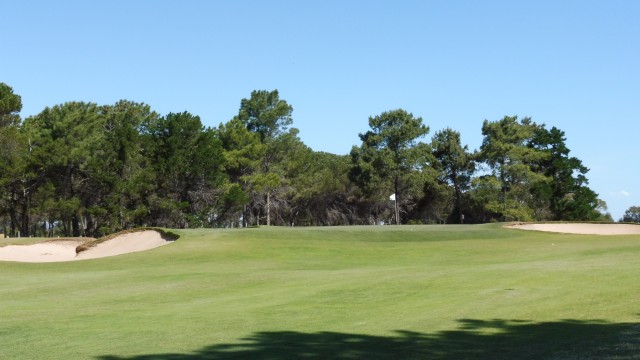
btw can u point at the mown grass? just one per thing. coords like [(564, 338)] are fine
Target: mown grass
[(410, 292)]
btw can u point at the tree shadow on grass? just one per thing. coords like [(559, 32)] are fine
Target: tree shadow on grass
[(474, 339)]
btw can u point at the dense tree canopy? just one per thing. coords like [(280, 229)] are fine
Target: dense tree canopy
[(15, 179), (81, 168), (536, 177), (455, 165), (391, 158)]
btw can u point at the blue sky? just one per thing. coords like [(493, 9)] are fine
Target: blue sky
[(570, 64)]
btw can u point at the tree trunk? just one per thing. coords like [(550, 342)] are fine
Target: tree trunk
[(75, 226), (24, 221), (244, 216), (458, 204), (397, 212), (268, 208), (14, 221)]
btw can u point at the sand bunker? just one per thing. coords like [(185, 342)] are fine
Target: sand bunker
[(65, 250), (586, 229)]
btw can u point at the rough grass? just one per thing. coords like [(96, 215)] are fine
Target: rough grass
[(410, 292)]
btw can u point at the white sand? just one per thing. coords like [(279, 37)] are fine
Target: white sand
[(55, 251), (587, 229), (124, 244), (43, 252)]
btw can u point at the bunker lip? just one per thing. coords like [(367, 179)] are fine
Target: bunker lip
[(65, 250), (579, 228)]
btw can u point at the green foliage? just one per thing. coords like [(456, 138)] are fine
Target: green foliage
[(243, 149), (10, 106), (322, 193), (188, 162), (15, 180), (632, 214), (505, 150), (392, 157), (456, 167), (65, 142), (126, 174), (538, 178), (566, 192), (265, 114), (81, 168)]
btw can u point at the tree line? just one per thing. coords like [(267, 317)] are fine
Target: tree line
[(83, 169)]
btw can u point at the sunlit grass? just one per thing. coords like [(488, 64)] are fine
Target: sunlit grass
[(221, 287)]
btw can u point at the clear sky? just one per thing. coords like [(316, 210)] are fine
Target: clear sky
[(570, 64)]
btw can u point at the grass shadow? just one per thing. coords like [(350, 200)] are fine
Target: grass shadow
[(473, 339)]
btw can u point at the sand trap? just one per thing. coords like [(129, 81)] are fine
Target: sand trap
[(54, 251), (586, 229), (50, 251)]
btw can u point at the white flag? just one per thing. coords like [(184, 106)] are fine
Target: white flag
[(392, 197)]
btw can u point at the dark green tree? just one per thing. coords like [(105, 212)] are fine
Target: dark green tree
[(505, 149), (15, 186), (391, 158), (125, 174), (265, 114), (243, 153), (538, 179), (566, 194), (10, 106), (189, 163), (322, 193), (290, 159), (455, 164), (64, 143)]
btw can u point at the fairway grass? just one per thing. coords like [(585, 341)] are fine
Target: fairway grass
[(388, 292)]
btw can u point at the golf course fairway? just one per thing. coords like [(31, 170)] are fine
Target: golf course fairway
[(385, 292)]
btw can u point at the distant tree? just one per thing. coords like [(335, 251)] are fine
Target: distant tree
[(538, 179), (65, 142), (603, 214), (265, 114), (631, 215), (455, 165), (10, 106), (322, 193), (485, 195), (189, 163), (18, 182), (14, 184), (391, 156), (243, 151), (566, 193), (125, 168), (505, 150)]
